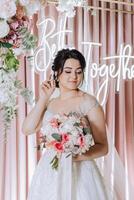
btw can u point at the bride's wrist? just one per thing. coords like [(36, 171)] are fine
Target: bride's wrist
[(79, 158), (43, 99)]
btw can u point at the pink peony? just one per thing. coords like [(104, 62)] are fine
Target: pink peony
[(81, 141), (59, 146), (65, 137)]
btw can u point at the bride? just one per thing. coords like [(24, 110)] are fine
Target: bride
[(78, 178)]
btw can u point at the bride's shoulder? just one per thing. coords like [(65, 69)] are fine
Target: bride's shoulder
[(88, 98), (88, 102)]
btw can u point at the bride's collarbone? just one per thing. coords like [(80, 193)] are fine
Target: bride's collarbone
[(72, 104), (66, 106)]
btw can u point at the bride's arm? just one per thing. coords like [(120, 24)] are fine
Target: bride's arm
[(33, 121), (97, 123)]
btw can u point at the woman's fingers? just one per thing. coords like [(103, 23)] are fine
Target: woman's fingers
[(47, 88), (77, 158), (53, 83), (49, 84), (45, 85)]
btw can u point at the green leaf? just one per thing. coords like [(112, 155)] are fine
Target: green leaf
[(76, 124), (57, 137), (18, 84), (11, 62), (5, 44), (55, 166), (28, 40), (55, 162), (86, 130)]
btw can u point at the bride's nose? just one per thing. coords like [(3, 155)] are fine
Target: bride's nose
[(74, 75)]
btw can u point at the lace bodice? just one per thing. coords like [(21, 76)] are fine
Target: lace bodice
[(81, 107)]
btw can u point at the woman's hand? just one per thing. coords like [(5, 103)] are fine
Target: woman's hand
[(33, 121), (78, 158), (47, 88)]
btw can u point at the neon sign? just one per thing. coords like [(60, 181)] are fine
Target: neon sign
[(119, 71)]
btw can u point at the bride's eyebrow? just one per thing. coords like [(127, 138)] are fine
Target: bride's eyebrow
[(71, 68)]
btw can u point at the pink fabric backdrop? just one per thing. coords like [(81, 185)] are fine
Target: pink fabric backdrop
[(19, 156)]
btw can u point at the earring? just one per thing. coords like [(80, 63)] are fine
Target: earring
[(57, 83)]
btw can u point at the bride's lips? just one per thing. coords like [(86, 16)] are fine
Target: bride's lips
[(72, 81)]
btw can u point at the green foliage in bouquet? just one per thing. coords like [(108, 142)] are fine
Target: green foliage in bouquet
[(57, 137), (55, 162)]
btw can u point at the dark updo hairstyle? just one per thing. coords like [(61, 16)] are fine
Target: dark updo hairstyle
[(60, 59)]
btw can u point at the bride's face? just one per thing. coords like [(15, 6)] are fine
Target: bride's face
[(72, 74)]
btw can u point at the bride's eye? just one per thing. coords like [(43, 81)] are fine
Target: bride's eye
[(79, 72), (68, 72)]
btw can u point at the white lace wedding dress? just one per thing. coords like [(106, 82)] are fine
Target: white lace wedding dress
[(73, 180)]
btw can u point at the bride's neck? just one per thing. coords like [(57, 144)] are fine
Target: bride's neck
[(68, 94)]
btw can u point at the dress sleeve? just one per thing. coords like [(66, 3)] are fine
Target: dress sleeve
[(94, 105)]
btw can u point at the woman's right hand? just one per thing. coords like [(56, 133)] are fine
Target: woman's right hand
[(33, 121), (47, 88)]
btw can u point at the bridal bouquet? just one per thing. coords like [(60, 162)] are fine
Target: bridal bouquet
[(66, 134)]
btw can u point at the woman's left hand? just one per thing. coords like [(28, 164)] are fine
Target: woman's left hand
[(78, 158)]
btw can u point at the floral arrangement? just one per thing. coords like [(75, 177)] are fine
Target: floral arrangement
[(10, 87), (15, 39), (66, 134), (69, 6)]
